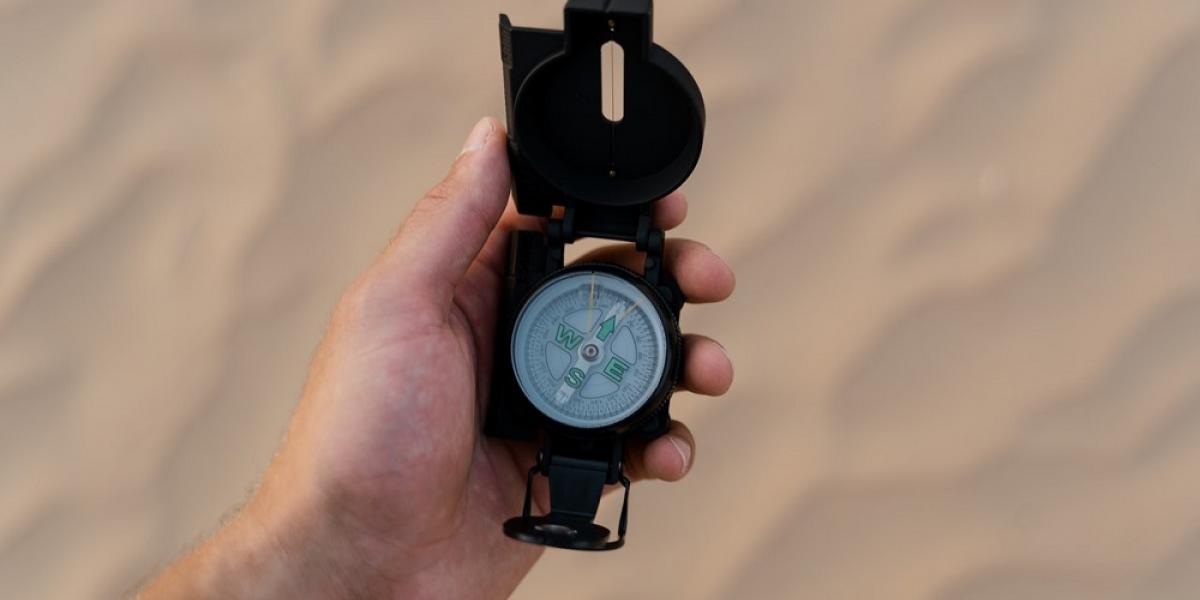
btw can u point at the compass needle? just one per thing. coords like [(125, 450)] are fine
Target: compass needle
[(591, 301), (627, 312)]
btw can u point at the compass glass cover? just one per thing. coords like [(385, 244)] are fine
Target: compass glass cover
[(589, 349)]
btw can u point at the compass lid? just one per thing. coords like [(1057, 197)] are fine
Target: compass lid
[(599, 116)]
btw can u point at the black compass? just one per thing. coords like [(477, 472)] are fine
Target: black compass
[(602, 124)]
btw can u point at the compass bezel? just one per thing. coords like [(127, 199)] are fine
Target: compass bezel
[(673, 350)]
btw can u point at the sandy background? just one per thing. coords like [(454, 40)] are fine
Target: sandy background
[(967, 234)]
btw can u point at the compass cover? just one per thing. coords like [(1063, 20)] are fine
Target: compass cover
[(564, 147)]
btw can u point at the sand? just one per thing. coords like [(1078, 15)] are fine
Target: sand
[(967, 328)]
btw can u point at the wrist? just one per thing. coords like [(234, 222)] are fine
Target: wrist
[(308, 550), (280, 545), (241, 560)]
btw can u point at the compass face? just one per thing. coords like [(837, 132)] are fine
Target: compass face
[(589, 349)]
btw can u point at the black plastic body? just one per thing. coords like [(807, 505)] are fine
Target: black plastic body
[(605, 177), (563, 150)]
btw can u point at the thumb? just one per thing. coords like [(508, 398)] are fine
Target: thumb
[(448, 227)]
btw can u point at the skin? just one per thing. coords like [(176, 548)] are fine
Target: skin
[(384, 486)]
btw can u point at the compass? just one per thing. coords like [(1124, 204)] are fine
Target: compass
[(593, 347), (602, 124)]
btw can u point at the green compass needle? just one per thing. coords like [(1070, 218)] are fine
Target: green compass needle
[(606, 329)]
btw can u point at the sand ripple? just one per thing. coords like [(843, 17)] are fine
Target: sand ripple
[(967, 324)]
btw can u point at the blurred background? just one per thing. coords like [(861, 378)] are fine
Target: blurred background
[(967, 235)]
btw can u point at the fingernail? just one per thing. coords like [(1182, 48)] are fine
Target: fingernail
[(684, 450), (478, 137)]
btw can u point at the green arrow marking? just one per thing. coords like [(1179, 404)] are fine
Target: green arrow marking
[(568, 338), (606, 328)]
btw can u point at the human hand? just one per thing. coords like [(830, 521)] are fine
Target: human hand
[(384, 485)]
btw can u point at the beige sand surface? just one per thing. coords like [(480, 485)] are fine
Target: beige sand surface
[(967, 327)]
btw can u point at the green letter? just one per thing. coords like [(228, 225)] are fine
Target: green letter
[(615, 369), (568, 338), (574, 377)]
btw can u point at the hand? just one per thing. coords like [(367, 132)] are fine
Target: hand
[(384, 485)]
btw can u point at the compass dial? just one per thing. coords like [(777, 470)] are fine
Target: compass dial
[(589, 349)]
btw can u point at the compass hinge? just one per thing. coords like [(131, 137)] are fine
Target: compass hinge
[(623, 226), (651, 241)]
